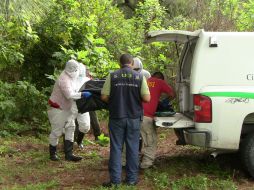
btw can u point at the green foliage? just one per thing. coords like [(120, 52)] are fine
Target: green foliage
[(87, 142), (159, 180), (10, 128), (21, 103), (162, 136), (120, 187), (30, 101), (103, 140), (201, 182), (5, 149), (97, 57), (150, 14), (14, 35), (38, 186), (197, 183), (246, 16)]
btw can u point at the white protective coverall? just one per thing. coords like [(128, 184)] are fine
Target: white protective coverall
[(83, 119), (63, 95), (138, 65)]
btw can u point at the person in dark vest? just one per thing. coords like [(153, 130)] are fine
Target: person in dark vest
[(124, 90)]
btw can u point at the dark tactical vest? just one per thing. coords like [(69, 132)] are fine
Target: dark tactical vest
[(125, 94)]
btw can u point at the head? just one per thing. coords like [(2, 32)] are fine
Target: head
[(137, 64), (126, 59), (158, 75), (72, 68)]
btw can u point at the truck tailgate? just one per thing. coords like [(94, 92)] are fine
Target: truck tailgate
[(176, 121)]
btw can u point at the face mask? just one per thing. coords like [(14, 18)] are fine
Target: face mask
[(82, 74)]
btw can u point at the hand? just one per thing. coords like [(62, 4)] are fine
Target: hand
[(86, 94)]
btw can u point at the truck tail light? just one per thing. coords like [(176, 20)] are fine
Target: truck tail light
[(202, 109)]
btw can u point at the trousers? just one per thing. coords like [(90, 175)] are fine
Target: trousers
[(95, 124), (83, 122), (60, 120), (126, 131), (149, 137)]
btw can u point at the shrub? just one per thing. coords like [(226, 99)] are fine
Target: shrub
[(22, 107)]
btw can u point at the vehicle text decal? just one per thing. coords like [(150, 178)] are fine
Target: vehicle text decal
[(237, 100)]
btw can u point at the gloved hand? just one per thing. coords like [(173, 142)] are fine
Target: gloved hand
[(86, 94)]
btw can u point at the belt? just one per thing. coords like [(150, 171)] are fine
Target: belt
[(53, 104)]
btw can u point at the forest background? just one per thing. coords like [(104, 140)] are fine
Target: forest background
[(37, 37)]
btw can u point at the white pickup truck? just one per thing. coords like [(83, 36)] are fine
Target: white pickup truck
[(215, 85)]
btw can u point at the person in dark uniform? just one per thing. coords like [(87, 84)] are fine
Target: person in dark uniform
[(124, 90), (95, 124)]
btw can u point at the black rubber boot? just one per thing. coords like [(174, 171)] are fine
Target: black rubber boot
[(79, 139), (52, 153), (68, 147)]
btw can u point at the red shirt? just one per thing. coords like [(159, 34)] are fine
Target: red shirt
[(156, 87)]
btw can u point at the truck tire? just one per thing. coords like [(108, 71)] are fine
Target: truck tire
[(247, 153)]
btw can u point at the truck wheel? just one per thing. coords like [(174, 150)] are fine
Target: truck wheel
[(247, 153)]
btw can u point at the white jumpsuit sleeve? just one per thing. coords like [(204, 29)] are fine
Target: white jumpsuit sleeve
[(68, 89)]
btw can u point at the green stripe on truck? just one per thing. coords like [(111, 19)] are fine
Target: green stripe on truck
[(229, 94)]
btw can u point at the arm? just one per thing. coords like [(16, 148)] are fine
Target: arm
[(168, 90), (105, 92), (146, 98), (145, 93), (105, 98), (68, 91)]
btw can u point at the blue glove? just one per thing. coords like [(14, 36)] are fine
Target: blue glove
[(86, 94)]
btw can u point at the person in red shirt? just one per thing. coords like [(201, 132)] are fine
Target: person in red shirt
[(157, 86)]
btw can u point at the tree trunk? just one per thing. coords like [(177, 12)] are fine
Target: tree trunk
[(7, 5)]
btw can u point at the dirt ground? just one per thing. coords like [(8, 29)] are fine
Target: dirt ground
[(92, 171), (167, 150)]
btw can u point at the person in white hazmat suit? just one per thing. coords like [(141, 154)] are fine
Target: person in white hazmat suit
[(82, 119), (63, 110), (138, 66)]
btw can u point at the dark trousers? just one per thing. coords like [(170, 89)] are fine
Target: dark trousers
[(124, 131), (95, 125)]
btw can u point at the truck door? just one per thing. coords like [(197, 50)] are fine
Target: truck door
[(184, 119)]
